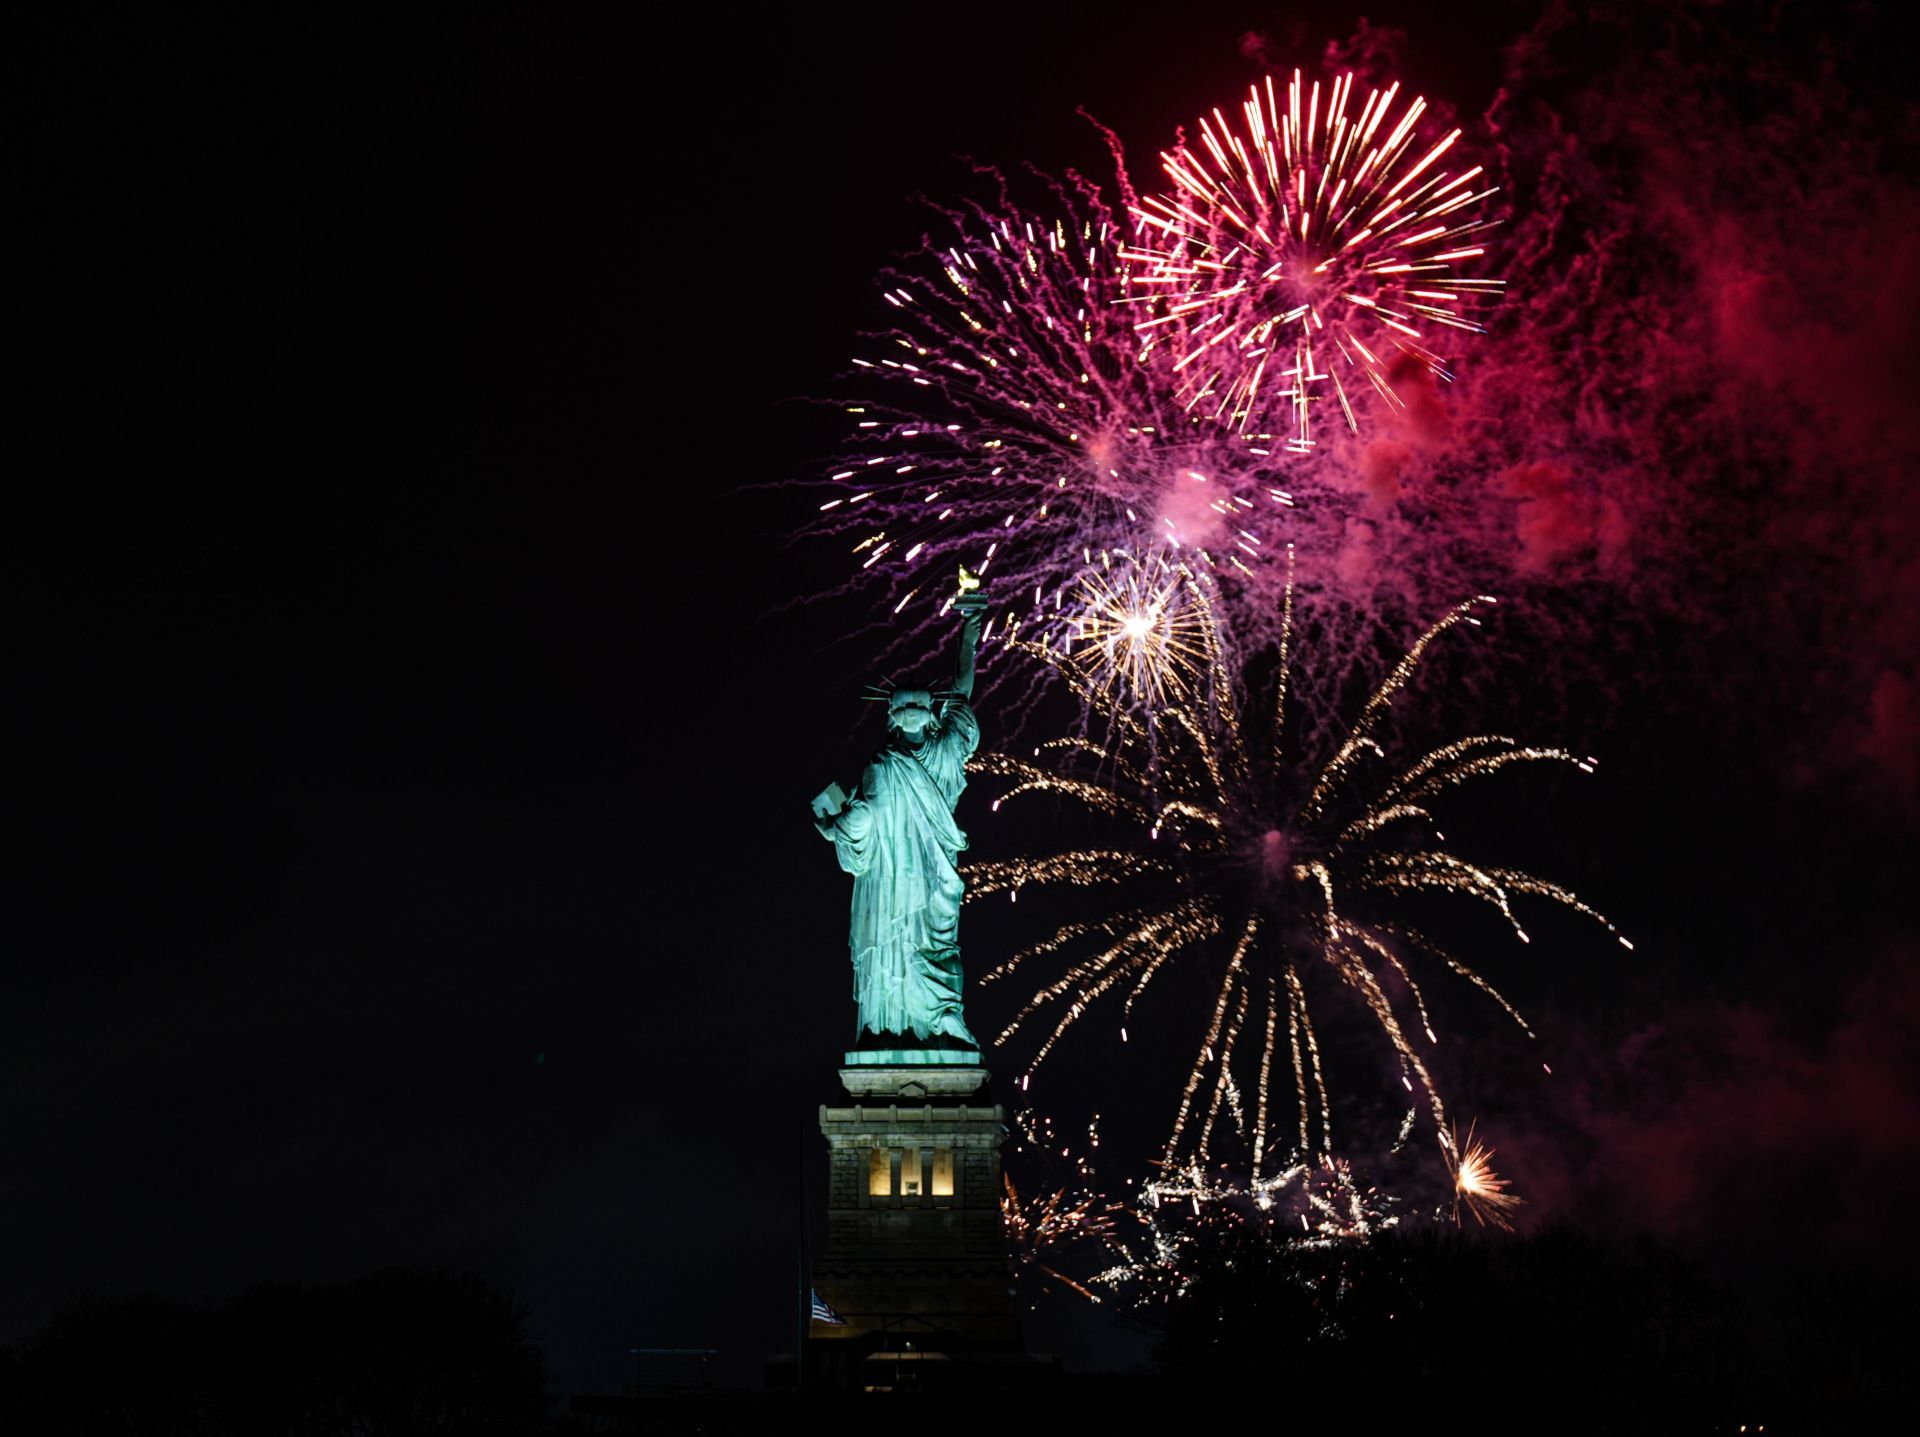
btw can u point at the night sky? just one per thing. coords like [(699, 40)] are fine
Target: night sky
[(413, 863)]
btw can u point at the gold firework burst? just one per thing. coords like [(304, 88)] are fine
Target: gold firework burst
[(1277, 867), (1138, 631)]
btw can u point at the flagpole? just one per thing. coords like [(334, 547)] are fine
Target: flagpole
[(805, 1311)]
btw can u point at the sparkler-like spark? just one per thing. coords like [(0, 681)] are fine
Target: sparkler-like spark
[(1317, 246), (1273, 869), (1322, 1198), (1135, 630), (1039, 1225), (1478, 1188), (1183, 1216), (1066, 1220)]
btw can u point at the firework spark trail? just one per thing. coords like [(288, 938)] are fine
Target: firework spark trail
[(1011, 325), (1289, 880), (1012, 420), (1313, 240), (1032, 410), (1653, 385)]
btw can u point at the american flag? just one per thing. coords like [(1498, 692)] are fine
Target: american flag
[(823, 1313)]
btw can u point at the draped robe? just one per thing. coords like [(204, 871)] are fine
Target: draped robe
[(898, 839)]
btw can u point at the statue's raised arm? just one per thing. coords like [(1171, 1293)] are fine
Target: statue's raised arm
[(972, 604), (897, 837)]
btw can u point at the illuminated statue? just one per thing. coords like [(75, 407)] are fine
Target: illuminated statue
[(897, 837)]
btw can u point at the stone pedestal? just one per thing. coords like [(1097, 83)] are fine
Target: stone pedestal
[(910, 1083), (914, 1254)]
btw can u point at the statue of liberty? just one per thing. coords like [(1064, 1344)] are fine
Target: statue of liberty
[(897, 837)]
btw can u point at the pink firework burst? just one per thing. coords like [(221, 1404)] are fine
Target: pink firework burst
[(1314, 252), (1011, 420)]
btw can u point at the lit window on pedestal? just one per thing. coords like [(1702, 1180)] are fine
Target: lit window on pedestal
[(943, 1172), (879, 1174), (910, 1173)]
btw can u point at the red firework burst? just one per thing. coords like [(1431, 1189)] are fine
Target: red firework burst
[(1317, 251)]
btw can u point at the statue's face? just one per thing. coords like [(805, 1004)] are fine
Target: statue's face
[(910, 712), (912, 723)]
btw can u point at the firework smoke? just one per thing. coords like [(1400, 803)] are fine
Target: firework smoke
[(1687, 420), (1032, 411)]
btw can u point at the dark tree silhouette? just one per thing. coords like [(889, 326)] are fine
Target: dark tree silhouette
[(130, 1366), (1557, 1327), (399, 1353)]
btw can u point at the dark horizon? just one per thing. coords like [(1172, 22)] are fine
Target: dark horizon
[(416, 673)]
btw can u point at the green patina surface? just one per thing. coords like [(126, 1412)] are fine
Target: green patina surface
[(913, 1058), (897, 837)]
